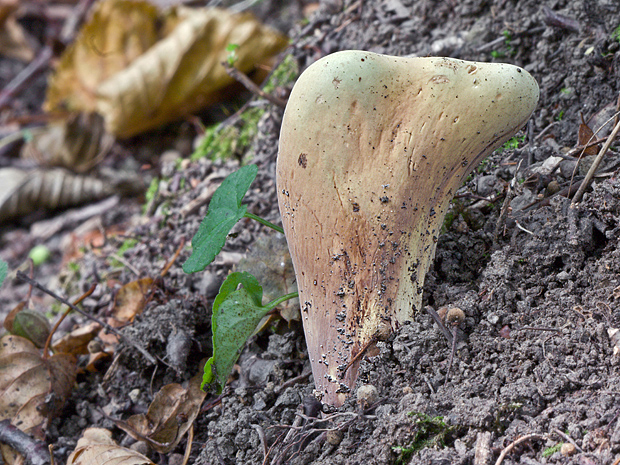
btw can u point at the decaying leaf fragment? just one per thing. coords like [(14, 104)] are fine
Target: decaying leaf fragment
[(13, 41), (170, 415), (269, 258), (76, 143), (32, 389), (26, 191), (96, 447), (147, 75)]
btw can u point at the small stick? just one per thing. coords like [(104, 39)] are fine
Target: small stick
[(292, 382), (527, 437), (33, 451), (482, 452), (357, 356), (523, 229), (109, 328), (455, 328), (510, 194), (188, 447), (445, 331), (595, 165), (48, 341), (539, 328), (173, 259), (566, 437), (249, 85)]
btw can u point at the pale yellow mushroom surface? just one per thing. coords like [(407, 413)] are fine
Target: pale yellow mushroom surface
[(372, 150)]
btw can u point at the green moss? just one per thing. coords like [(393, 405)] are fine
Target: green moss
[(150, 194), (616, 34), (284, 74), (552, 450), (125, 246), (233, 141), (431, 432)]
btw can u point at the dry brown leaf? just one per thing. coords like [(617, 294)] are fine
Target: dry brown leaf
[(76, 342), (32, 389), (77, 143), (170, 416), (130, 299), (13, 41), (96, 447), (117, 33), (26, 191), (586, 136), (178, 69)]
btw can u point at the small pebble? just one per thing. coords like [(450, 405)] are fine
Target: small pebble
[(367, 395), (134, 395), (334, 437), (567, 449)]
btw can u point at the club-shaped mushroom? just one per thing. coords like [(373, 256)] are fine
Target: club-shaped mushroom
[(372, 150)]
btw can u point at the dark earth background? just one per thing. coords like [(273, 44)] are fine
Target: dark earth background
[(536, 357)]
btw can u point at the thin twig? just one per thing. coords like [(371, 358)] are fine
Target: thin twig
[(249, 85), (35, 452), (444, 330), (292, 382), (455, 328), (523, 229), (357, 356), (109, 328), (595, 165), (566, 437), (46, 347), (263, 440), (512, 445), (503, 214)]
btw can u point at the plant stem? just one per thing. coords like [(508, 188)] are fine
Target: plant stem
[(264, 222), (274, 303)]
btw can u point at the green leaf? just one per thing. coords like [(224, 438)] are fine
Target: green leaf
[(4, 268), (224, 211), (236, 314)]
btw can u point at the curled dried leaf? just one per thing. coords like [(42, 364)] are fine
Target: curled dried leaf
[(27, 191), (139, 67), (77, 142), (32, 389), (169, 417), (96, 447)]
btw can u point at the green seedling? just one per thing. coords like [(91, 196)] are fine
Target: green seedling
[(150, 195), (512, 143), (232, 57), (224, 211), (237, 310), (238, 307), (510, 51), (616, 34)]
